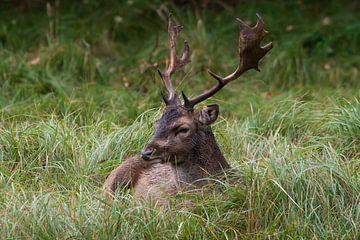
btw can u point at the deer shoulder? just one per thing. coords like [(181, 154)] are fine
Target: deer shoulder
[(126, 174)]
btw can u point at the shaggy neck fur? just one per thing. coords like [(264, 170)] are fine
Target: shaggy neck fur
[(206, 152)]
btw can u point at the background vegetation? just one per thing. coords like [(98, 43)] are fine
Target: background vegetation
[(79, 93)]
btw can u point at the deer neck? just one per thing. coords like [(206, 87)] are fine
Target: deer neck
[(206, 152)]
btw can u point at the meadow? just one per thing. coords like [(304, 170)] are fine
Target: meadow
[(79, 93)]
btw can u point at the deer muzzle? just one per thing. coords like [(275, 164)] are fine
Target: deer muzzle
[(146, 154)]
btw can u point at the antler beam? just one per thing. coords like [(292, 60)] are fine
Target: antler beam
[(250, 53), (175, 62)]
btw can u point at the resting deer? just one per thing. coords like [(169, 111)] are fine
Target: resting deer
[(183, 150)]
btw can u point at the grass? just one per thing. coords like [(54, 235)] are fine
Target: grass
[(79, 94)]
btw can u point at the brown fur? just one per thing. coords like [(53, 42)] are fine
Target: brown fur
[(178, 159)]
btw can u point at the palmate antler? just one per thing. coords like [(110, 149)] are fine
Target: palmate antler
[(250, 53), (175, 62)]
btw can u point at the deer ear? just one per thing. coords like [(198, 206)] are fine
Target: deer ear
[(209, 114)]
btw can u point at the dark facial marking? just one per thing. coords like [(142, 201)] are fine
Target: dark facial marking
[(170, 115)]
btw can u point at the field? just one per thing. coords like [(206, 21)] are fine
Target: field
[(79, 93)]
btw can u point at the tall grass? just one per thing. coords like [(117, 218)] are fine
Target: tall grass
[(79, 94)]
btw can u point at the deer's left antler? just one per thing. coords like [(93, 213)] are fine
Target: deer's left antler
[(175, 62), (250, 53)]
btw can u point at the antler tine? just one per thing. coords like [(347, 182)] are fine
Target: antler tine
[(175, 62), (250, 53)]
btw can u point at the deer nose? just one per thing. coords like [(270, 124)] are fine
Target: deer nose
[(146, 154)]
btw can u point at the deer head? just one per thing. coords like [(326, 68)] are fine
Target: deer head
[(183, 132)]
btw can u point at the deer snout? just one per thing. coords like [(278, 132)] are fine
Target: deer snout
[(146, 154)]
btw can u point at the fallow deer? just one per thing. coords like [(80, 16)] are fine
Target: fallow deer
[(183, 150)]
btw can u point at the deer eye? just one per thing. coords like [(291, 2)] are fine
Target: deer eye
[(181, 130)]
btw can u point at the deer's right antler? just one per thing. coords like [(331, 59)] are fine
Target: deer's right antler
[(175, 62), (250, 53)]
